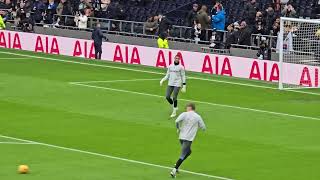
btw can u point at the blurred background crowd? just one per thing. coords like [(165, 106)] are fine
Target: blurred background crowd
[(230, 21)]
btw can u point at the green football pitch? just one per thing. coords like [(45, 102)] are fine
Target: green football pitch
[(74, 119)]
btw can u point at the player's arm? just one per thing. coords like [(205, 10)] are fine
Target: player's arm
[(166, 77), (201, 124), (183, 78), (179, 120)]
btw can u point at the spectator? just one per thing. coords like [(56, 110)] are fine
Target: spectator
[(264, 52), (198, 33), (203, 17), (3, 5), (27, 23), (151, 25), (269, 18), (260, 24), (64, 8), (81, 20), (250, 9), (38, 9), (192, 15), (276, 27), (84, 4), (106, 11), (164, 24), (245, 34), (232, 35), (120, 12), (163, 41), (28, 5), (219, 19), (49, 12), (190, 20), (2, 24), (289, 11)]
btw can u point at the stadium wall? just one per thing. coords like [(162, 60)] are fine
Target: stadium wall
[(149, 56)]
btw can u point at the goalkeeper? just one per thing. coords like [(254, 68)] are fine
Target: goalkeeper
[(177, 79)]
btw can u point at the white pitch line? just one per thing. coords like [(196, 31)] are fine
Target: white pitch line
[(114, 81), (113, 157), (153, 72), (13, 58), (17, 143), (200, 102)]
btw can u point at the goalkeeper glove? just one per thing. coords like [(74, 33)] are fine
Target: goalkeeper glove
[(184, 88)]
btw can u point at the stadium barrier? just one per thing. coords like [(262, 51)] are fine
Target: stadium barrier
[(224, 65), (177, 33)]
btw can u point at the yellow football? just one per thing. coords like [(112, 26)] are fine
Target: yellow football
[(23, 169)]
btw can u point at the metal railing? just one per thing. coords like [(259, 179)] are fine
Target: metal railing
[(180, 33), (256, 40)]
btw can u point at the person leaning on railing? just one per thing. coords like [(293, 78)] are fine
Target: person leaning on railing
[(151, 25)]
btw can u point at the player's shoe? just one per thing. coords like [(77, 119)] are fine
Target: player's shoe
[(174, 112), (173, 173)]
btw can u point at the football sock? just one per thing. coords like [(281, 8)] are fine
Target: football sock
[(178, 164), (175, 103), (170, 100)]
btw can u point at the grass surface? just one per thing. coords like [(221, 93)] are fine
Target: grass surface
[(37, 102)]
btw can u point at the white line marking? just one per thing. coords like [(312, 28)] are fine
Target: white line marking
[(303, 92), (114, 81), (200, 102), (113, 157), (153, 72), (17, 143), (13, 58)]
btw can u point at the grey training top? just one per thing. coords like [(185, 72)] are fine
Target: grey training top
[(188, 124), (176, 75)]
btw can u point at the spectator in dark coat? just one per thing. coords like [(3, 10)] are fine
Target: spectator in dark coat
[(3, 5), (260, 24), (244, 35), (289, 11), (192, 15), (232, 35), (269, 19), (203, 17), (250, 9), (38, 10), (164, 24), (107, 10), (27, 23)]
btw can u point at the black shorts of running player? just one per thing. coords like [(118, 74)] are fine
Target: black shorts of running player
[(174, 91), (185, 149)]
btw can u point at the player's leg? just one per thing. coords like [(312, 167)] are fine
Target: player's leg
[(95, 51), (176, 91), (168, 94), (185, 153), (100, 52)]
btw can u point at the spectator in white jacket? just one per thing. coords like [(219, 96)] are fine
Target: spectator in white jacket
[(81, 20)]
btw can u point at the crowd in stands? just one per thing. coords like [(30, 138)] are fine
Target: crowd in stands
[(218, 20)]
